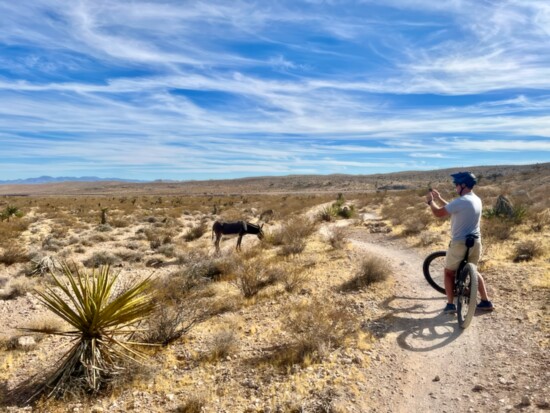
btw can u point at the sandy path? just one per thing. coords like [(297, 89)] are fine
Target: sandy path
[(425, 361)]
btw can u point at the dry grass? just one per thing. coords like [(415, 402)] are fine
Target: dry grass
[(13, 254), (191, 405), (17, 287), (196, 287), (528, 250), (315, 327), (337, 237), (372, 269), (223, 344), (195, 232), (253, 276)]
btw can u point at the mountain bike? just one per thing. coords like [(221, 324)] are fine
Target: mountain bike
[(465, 284)]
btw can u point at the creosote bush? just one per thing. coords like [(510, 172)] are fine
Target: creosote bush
[(101, 258), (316, 327), (528, 250), (221, 345), (13, 254), (337, 237), (253, 276), (497, 229), (372, 269), (195, 232)]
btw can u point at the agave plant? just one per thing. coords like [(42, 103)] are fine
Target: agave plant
[(101, 322)]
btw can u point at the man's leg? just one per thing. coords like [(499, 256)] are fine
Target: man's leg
[(481, 288)]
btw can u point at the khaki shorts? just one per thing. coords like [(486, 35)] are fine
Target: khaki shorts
[(456, 252)]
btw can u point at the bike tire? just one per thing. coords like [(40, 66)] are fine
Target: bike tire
[(433, 267), (466, 295)]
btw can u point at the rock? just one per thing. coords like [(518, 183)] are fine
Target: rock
[(436, 378), (26, 342), (478, 388), (503, 207), (96, 409), (525, 401)]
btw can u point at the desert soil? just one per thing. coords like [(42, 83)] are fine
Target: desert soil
[(427, 363), (422, 361)]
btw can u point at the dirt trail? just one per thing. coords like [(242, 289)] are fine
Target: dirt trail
[(425, 361)]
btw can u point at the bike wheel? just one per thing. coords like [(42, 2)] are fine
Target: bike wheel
[(466, 295), (433, 268)]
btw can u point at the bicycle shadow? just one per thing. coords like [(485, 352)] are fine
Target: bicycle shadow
[(416, 326)]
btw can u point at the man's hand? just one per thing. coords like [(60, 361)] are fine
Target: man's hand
[(429, 198), (435, 195)]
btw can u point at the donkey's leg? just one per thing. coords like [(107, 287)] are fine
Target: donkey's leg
[(239, 242), (217, 242)]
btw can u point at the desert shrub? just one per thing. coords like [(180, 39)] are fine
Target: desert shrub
[(294, 247), (51, 243), (168, 250), (252, 277), (157, 238), (9, 343), (222, 344), (372, 269), (46, 324), (427, 238), (120, 223), (195, 232), (528, 250), (10, 231), (497, 229), (337, 237), (129, 255), (170, 321), (17, 287), (13, 254), (104, 228), (199, 263), (191, 405), (101, 258), (293, 278), (296, 228), (316, 327), (540, 221)]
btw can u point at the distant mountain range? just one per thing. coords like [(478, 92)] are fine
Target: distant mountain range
[(51, 179)]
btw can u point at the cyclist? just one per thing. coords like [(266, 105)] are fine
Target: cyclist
[(465, 212)]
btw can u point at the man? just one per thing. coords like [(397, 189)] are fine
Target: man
[(465, 213)]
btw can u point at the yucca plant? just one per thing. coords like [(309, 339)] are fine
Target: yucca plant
[(102, 323)]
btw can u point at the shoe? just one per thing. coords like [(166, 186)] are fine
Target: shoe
[(449, 308), (485, 305)]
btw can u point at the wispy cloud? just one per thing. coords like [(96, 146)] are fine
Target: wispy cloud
[(216, 89)]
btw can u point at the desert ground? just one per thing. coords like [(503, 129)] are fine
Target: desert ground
[(329, 312)]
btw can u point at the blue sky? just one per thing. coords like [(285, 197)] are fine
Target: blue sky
[(225, 89)]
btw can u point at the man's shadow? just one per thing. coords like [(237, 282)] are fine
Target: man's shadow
[(418, 329)]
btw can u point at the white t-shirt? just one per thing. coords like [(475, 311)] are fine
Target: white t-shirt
[(465, 216)]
